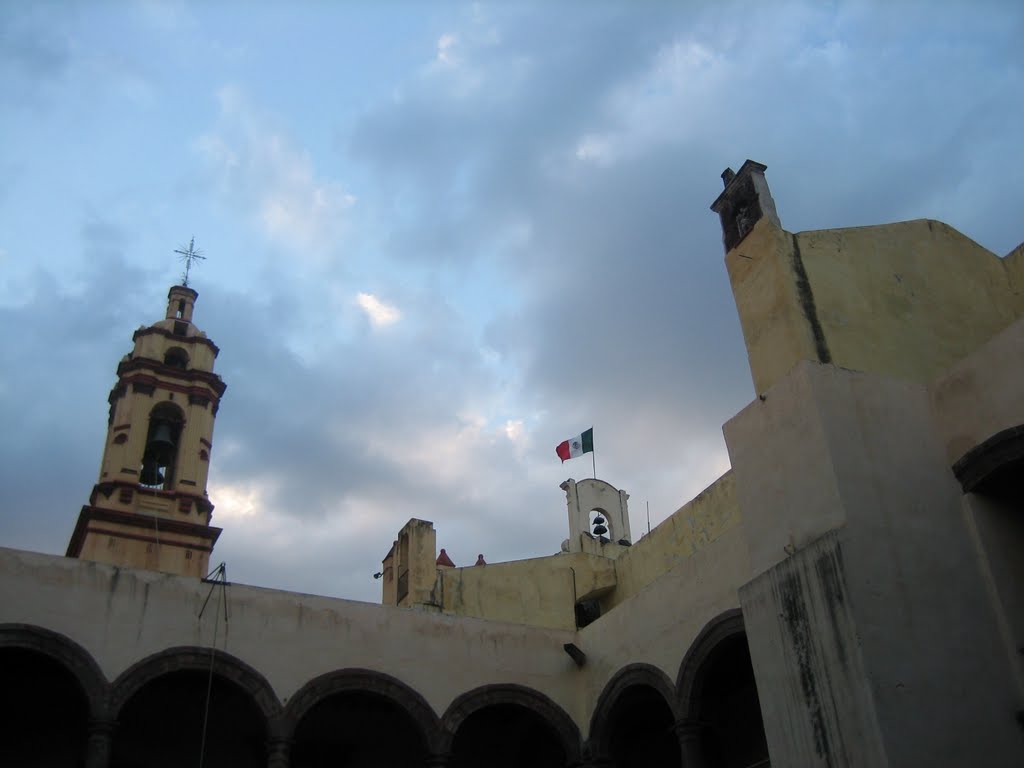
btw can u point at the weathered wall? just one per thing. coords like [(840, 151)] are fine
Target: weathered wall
[(691, 527), (1014, 263), (908, 299), (658, 624), (833, 449), (785, 485), (982, 394), (766, 278), (121, 616), (541, 591), (812, 683)]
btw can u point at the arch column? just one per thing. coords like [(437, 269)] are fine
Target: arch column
[(688, 732), (100, 743), (279, 753)]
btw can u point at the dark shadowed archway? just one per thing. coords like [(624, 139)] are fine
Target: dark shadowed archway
[(359, 718), (52, 690), (633, 724), (509, 726), (718, 698), (170, 710)]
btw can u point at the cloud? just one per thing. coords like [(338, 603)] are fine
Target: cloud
[(255, 165), (380, 314), (533, 233), (446, 49)]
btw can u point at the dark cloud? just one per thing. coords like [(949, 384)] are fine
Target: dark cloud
[(535, 206)]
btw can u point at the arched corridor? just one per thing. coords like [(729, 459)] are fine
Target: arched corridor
[(164, 724), (357, 729), (506, 736), (718, 699), (44, 713)]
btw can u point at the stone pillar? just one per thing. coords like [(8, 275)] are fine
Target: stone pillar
[(591, 760), (278, 753), (100, 743), (688, 732)]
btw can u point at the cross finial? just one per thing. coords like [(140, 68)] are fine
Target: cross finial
[(190, 256)]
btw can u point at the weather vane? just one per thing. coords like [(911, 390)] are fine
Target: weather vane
[(190, 257)]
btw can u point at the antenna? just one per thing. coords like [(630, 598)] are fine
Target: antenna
[(190, 256)]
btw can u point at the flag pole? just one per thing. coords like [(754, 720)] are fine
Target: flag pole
[(593, 458)]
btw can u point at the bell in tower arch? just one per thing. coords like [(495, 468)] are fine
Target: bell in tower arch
[(160, 446), (158, 457), (151, 474)]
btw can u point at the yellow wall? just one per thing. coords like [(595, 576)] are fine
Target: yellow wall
[(539, 591), (764, 285), (697, 523), (1014, 263), (162, 553), (543, 591), (905, 300)]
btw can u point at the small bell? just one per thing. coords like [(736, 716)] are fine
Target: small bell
[(160, 447), (598, 520)]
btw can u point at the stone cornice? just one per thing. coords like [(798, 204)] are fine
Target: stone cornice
[(208, 533), (152, 329)]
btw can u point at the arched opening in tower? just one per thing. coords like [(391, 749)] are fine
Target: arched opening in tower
[(641, 730), (165, 724), (728, 709), (357, 729), (160, 456), (506, 736), (44, 713), (600, 525)]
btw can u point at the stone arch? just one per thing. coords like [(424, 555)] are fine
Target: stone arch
[(994, 467), (473, 701), (66, 652), (630, 676), (721, 721), (363, 681), (689, 682), (195, 658)]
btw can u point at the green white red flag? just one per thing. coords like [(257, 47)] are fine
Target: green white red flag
[(576, 446)]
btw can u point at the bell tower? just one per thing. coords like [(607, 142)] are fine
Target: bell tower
[(149, 508)]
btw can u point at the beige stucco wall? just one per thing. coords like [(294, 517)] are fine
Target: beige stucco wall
[(691, 527), (540, 591), (857, 456), (982, 394), (906, 299), (1014, 263), (121, 616), (168, 552), (764, 284), (658, 624)]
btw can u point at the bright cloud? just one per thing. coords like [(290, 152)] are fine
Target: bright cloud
[(445, 45), (380, 314), (256, 164)]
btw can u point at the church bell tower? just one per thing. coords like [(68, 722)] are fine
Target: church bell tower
[(149, 508)]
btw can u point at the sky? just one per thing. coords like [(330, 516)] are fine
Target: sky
[(443, 237)]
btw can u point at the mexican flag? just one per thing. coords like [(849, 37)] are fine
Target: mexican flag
[(576, 446)]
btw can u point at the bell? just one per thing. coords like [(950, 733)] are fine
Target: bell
[(598, 520), (150, 474), (600, 530), (160, 447)]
